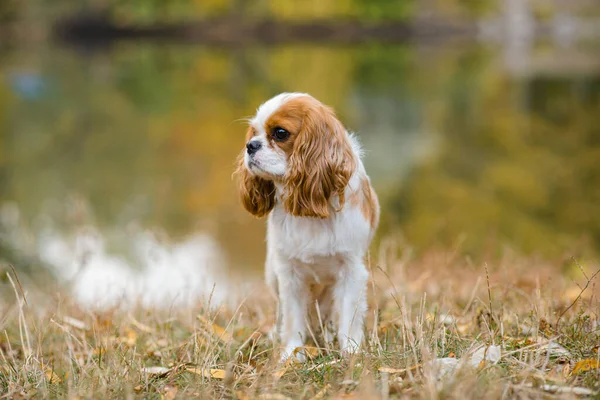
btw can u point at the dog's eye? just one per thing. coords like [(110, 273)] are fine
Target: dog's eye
[(280, 134)]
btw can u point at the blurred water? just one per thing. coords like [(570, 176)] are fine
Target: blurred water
[(115, 165)]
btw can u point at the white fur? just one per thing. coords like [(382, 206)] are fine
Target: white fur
[(304, 253)]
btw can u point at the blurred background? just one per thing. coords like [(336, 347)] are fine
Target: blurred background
[(119, 128)]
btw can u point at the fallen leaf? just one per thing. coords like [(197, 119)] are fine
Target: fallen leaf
[(129, 338), (555, 349), (308, 351), (585, 365), (447, 319), (389, 370), (213, 373), (556, 389), (579, 391), (217, 330), (156, 370), (51, 377), (278, 373)]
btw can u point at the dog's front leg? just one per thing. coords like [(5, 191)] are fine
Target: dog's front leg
[(350, 303), (293, 298)]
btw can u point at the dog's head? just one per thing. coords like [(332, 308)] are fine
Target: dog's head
[(297, 142)]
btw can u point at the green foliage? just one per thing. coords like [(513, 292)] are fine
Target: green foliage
[(384, 9)]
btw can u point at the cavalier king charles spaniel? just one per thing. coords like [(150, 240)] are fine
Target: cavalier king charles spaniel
[(303, 170)]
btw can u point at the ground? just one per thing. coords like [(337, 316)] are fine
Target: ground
[(442, 326)]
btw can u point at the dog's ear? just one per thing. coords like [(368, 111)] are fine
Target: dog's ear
[(257, 194), (320, 165)]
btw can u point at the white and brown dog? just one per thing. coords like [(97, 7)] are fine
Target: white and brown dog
[(304, 170)]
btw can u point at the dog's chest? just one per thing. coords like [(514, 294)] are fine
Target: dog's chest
[(309, 238)]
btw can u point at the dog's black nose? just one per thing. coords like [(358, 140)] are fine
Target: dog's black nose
[(253, 146)]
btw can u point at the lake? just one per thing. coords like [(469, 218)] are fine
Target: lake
[(117, 163)]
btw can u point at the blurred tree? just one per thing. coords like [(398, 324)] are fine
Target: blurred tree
[(516, 159)]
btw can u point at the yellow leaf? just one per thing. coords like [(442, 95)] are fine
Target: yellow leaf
[(585, 365), (128, 338), (221, 333), (309, 351), (208, 373), (51, 376), (217, 330), (279, 372)]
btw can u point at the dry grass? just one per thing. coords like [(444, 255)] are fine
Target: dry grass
[(434, 306)]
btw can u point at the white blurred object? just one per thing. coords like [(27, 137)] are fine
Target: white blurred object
[(444, 367), (483, 355), (161, 276)]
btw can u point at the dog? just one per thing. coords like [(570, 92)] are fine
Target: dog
[(303, 170)]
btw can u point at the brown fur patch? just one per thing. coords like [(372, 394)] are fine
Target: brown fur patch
[(366, 199), (289, 116), (369, 206)]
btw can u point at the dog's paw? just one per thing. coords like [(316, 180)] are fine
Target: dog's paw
[(350, 348), (272, 334), (329, 332), (292, 353)]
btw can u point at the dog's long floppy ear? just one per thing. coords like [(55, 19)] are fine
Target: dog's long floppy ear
[(320, 165), (257, 194)]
